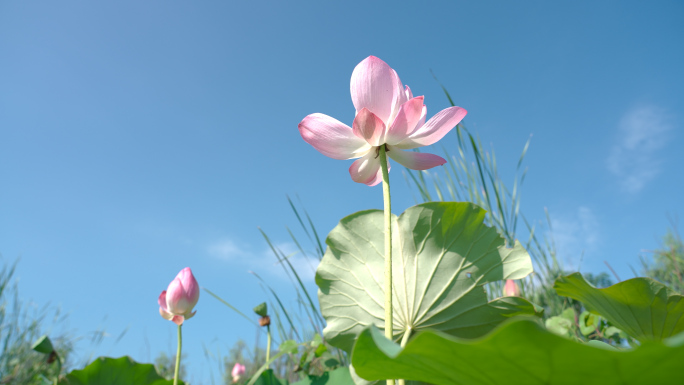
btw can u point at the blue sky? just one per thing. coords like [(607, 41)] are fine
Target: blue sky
[(138, 138)]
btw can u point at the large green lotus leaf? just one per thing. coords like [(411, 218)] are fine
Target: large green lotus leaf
[(519, 352), (643, 308), (443, 254), (115, 371)]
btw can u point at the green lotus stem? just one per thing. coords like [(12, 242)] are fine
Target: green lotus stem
[(59, 369), (389, 333), (268, 343), (404, 340), (178, 356)]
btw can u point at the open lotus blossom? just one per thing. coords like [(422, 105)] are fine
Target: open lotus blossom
[(511, 289), (178, 300), (387, 115), (238, 371)]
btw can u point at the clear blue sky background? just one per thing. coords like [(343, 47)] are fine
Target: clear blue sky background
[(138, 138)]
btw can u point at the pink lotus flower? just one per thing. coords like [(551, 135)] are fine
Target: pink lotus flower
[(386, 114), (177, 301), (511, 289), (238, 370)]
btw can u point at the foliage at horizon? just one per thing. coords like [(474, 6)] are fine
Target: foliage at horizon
[(165, 365), (20, 326), (667, 265)]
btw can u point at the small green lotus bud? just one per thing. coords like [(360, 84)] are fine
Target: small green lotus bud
[(43, 345), (261, 309)]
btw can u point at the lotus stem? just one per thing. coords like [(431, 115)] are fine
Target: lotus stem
[(59, 368), (389, 332), (404, 340), (268, 344), (178, 356)]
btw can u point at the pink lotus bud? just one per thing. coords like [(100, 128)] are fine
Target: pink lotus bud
[(177, 301), (238, 370), (511, 289)]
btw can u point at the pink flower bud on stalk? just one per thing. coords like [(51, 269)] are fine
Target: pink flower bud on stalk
[(238, 370), (511, 289), (178, 300)]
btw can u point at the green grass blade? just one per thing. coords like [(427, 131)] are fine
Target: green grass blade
[(321, 250), (299, 218), (230, 306), (422, 188), (443, 89)]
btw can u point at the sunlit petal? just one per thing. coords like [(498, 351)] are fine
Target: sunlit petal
[(165, 314), (435, 128), (400, 97), (370, 127), (409, 94), (374, 86), (407, 118), (415, 160), (162, 300), (331, 137), (367, 169)]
